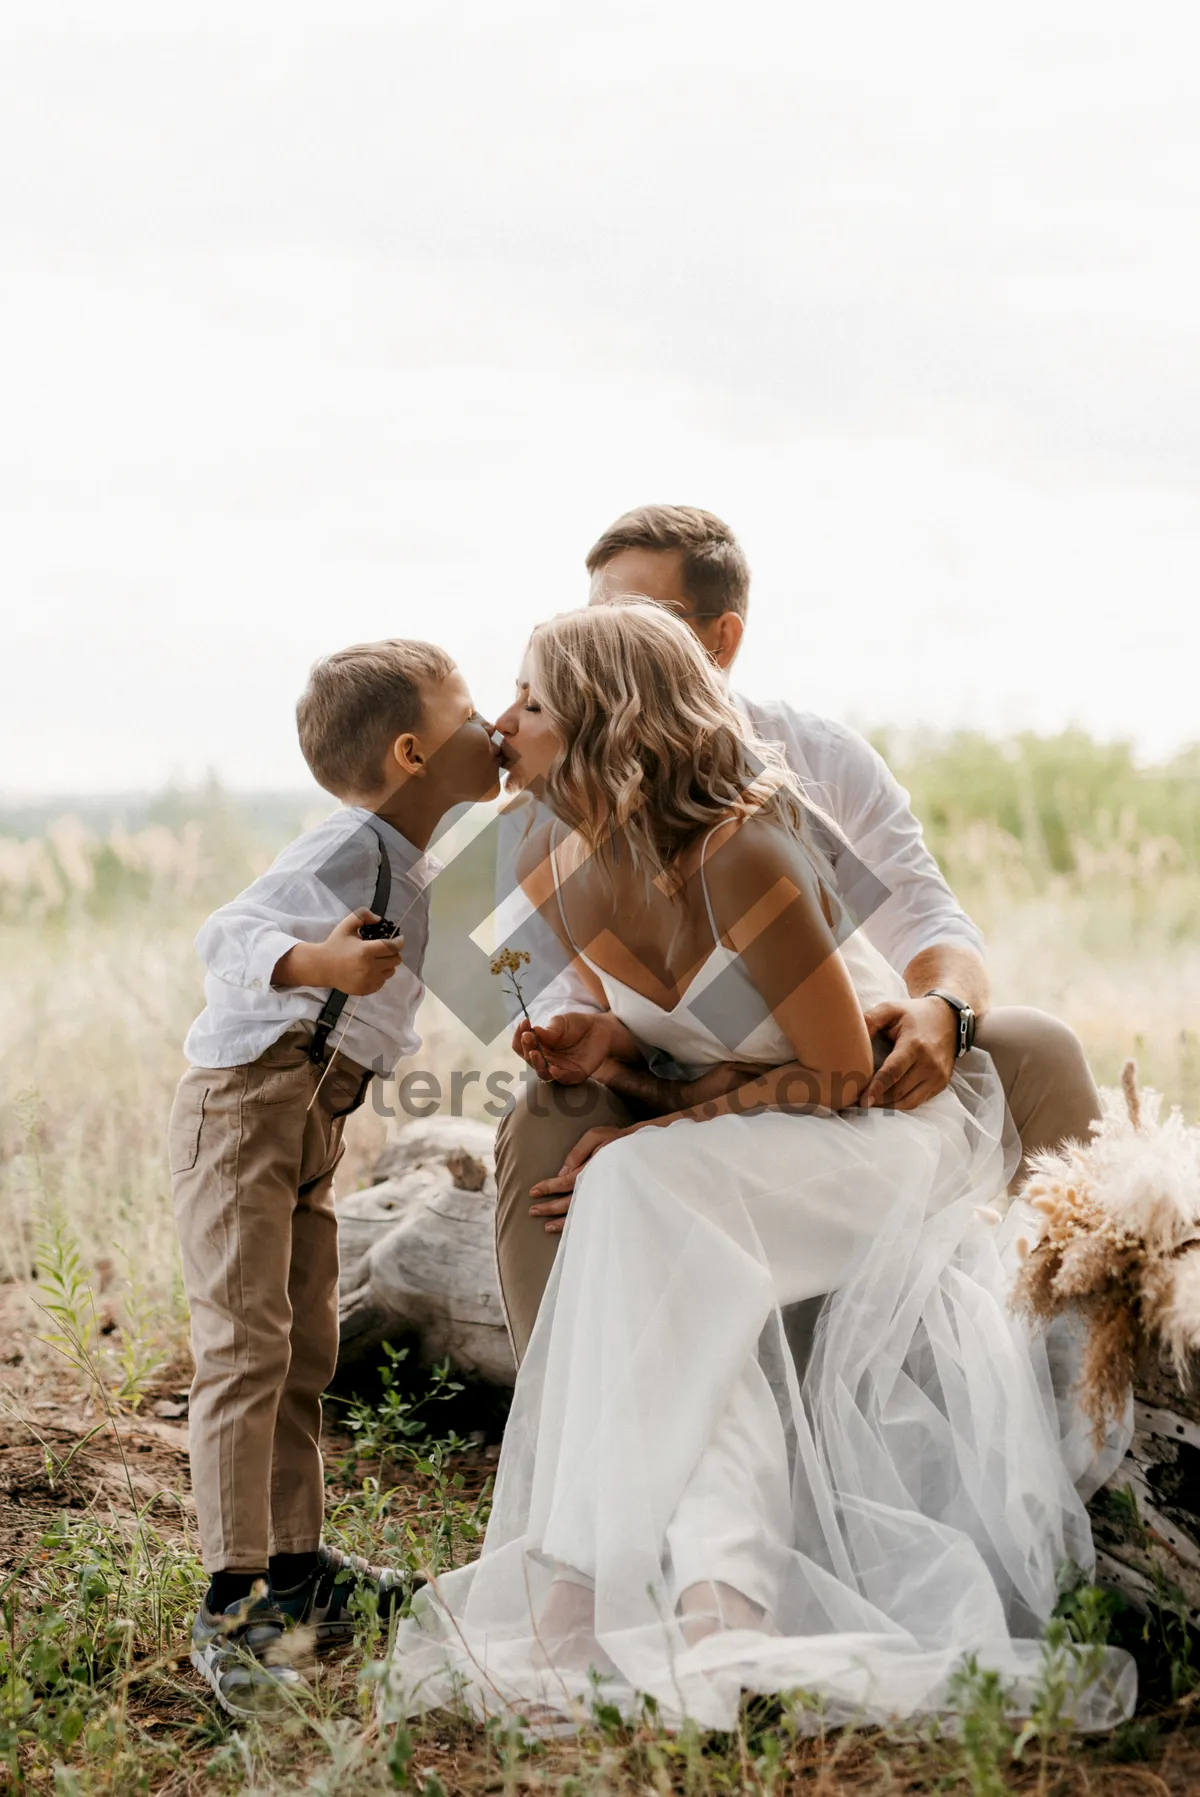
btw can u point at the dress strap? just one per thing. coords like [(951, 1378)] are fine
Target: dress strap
[(704, 883), (558, 891)]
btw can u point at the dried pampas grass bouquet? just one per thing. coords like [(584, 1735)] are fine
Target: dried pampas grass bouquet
[(1119, 1243)]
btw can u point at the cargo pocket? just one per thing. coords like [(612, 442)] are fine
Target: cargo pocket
[(183, 1135)]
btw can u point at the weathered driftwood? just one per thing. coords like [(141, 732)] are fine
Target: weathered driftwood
[(417, 1252), (1146, 1520), (418, 1259)]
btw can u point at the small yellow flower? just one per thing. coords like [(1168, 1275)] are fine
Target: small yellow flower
[(510, 960)]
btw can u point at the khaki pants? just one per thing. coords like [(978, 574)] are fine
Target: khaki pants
[(252, 1169), (1047, 1082)]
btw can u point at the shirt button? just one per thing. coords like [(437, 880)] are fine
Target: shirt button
[(256, 985)]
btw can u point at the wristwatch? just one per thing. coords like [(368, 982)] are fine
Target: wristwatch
[(965, 1015)]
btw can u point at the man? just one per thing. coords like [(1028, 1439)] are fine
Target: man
[(689, 561)]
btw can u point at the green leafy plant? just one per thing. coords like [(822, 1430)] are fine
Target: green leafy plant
[(450, 1523), (979, 1697), (140, 1352), (1087, 1611), (398, 1419)]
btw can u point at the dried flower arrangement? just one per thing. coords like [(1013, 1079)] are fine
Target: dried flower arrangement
[(1120, 1243)]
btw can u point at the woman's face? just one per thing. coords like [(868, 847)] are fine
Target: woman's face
[(531, 743)]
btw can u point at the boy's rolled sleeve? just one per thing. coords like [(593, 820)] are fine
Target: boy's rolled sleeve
[(243, 954), (293, 902), (316, 884)]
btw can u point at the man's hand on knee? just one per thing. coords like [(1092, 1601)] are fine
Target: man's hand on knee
[(553, 1196)]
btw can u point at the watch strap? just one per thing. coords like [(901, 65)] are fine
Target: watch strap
[(964, 1016)]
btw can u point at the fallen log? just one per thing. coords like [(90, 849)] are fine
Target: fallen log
[(418, 1256), (1146, 1519)]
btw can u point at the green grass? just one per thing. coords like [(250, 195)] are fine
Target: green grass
[(96, 1696)]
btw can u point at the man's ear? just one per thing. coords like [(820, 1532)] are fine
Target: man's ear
[(726, 638), (406, 753)]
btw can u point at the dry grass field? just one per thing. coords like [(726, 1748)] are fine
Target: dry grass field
[(1082, 870)]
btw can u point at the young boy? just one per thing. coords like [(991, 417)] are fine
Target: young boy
[(301, 1011)]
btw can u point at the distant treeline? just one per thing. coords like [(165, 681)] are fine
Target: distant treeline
[(1030, 810), (1055, 796), (273, 817)]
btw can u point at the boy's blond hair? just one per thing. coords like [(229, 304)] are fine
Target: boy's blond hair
[(357, 702)]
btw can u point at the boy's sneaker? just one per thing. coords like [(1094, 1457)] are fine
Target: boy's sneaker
[(322, 1601), (235, 1651)]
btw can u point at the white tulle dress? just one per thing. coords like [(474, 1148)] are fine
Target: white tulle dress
[(711, 1523)]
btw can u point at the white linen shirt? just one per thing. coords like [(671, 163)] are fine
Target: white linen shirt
[(850, 781), (316, 882)]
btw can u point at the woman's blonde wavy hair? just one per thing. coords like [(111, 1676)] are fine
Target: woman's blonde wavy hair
[(654, 752)]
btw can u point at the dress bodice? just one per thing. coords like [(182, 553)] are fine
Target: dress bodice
[(721, 1015)]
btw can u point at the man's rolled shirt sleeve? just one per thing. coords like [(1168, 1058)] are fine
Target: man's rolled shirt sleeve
[(920, 910), (889, 882)]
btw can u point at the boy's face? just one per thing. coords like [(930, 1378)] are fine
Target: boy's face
[(455, 743)]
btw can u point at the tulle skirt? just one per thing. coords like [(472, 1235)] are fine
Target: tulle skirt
[(682, 1511)]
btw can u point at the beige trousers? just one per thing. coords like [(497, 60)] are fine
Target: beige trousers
[(1047, 1082), (252, 1168)]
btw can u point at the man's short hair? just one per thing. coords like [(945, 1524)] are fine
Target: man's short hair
[(716, 575), (357, 702)]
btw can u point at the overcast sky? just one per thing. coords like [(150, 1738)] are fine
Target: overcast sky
[(321, 322)]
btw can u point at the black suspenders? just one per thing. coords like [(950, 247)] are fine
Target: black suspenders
[(335, 1004)]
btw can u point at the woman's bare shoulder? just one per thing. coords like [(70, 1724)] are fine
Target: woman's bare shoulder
[(754, 845), (751, 858)]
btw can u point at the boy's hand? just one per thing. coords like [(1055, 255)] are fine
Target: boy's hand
[(343, 960)]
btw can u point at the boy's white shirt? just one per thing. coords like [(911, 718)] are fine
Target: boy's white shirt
[(316, 881), (850, 781)]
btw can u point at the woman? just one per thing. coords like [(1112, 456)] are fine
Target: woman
[(675, 1514)]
